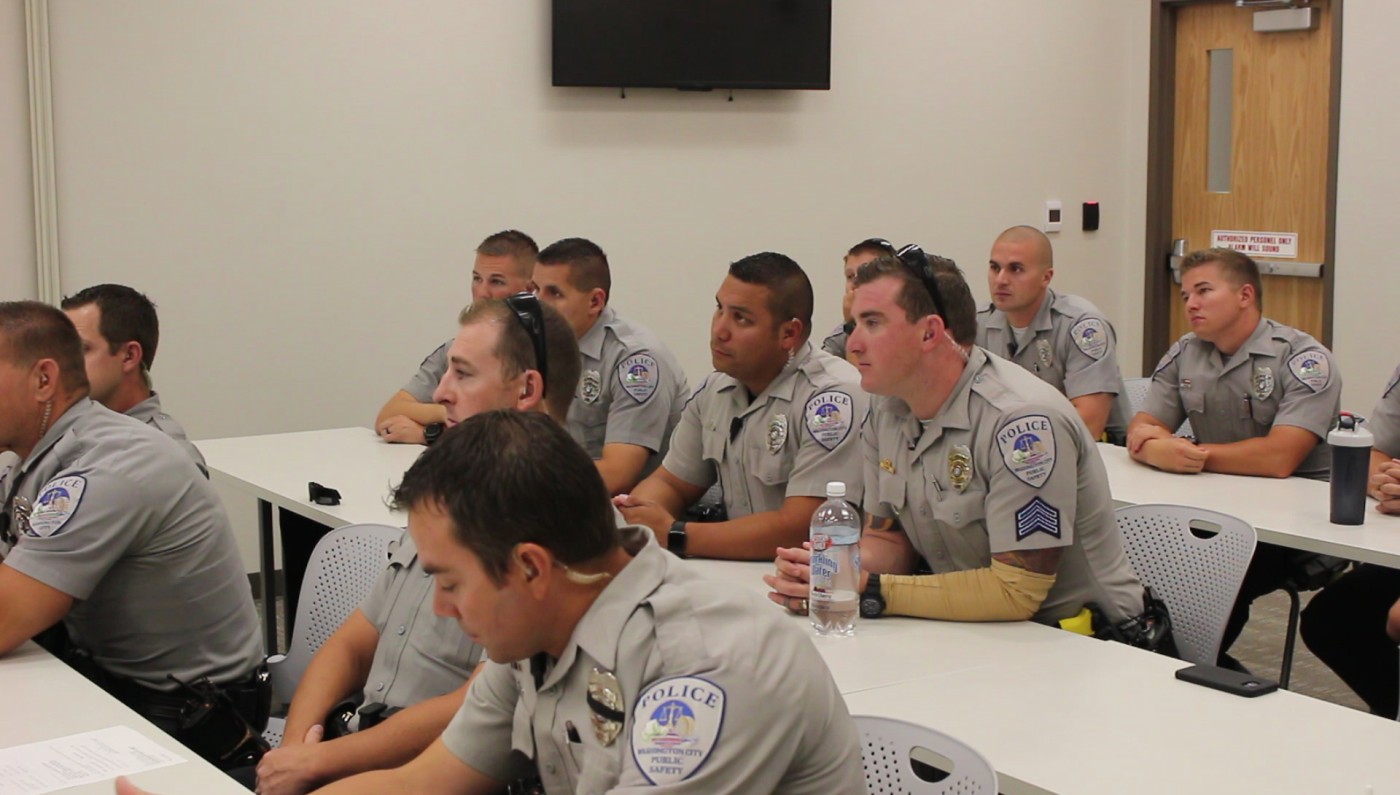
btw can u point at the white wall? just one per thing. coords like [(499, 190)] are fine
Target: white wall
[(1366, 331), (299, 183), (17, 273)]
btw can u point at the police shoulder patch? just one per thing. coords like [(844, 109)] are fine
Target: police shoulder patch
[(639, 375), (1027, 446), (58, 500), (1037, 516), (828, 417), (1394, 379), (1312, 368), (1090, 336), (676, 725)]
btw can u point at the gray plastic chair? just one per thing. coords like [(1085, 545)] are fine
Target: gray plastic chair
[(1137, 389), (1194, 560), (886, 743), (343, 568)]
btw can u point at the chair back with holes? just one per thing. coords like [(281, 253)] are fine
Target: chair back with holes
[(889, 769), (1197, 572), (1137, 389), (343, 568)]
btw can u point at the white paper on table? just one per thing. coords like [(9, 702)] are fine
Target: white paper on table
[(50, 765)]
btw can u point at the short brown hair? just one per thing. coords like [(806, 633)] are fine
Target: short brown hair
[(517, 354), (126, 315), (514, 244), (789, 289), (30, 331), (506, 478), (914, 298), (1238, 269), (588, 265)]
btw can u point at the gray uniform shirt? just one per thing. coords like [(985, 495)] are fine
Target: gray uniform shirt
[(706, 709), (787, 442), (1384, 421), (150, 412), (631, 389), (420, 655), (424, 382), (1073, 348), (835, 342), (1279, 376), (120, 521), (1005, 465)]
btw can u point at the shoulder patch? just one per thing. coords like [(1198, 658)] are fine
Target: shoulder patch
[(639, 375), (828, 418), (1091, 337), (1394, 379), (1027, 446), (676, 725), (1037, 516), (1312, 368), (55, 505), (1172, 352)]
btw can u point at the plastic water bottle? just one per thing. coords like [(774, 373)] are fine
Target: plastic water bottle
[(1351, 467), (835, 535)]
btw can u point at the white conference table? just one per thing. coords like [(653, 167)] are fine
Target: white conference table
[(276, 469), (45, 699), (1290, 512)]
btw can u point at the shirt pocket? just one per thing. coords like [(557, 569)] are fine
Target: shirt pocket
[(1258, 415), (595, 769), (768, 468), (444, 642), (959, 510), (892, 492), (589, 421), (1193, 402)]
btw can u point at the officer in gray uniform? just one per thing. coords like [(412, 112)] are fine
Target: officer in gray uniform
[(654, 682), (503, 265), (1260, 396), (120, 330), (1345, 624), (119, 537), (632, 389), (856, 256), (1063, 339), (774, 424), (972, 466)]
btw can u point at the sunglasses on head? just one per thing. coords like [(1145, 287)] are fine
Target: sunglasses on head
[(527, 310), (914, 258)]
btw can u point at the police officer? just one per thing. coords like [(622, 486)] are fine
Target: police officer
[(1354, 623), (119, 329), (775, 422), (107, 527), (503, 267), (1063, 339), (972, 466), (603, 649), (632, 389), (409, 663), (858, 255), (1260, 396)]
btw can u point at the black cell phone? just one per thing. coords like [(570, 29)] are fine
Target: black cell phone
[(1240, 684)]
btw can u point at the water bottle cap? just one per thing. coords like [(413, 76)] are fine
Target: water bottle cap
[(1355, 436), (836, 488)]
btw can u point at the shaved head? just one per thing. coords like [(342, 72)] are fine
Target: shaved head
[(1035, 241)]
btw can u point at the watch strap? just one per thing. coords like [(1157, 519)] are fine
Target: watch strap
[(675, 539)]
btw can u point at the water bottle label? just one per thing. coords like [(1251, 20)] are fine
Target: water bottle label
[(823, 570), (820, 542)]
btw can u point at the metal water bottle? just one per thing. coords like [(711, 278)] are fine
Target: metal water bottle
[(1351, 468), (833, 601)]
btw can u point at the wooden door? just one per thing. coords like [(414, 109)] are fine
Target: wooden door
[(1278, 148)]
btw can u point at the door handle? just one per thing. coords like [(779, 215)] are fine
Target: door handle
[(1174, 261)]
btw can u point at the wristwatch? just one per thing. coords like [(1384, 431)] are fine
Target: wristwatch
[(872, 603), (675, 540), (432, 431)]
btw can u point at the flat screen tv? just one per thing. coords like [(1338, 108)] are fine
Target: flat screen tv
[(693, 44)]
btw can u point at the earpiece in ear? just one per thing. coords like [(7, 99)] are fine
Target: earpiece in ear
[(43, 380)]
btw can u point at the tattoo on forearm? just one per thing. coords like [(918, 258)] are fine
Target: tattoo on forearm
[(1039, 561)]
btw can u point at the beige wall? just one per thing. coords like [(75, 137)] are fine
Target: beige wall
[(17, 273), (1366, 331)]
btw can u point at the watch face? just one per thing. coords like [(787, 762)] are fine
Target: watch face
[(871, 607)]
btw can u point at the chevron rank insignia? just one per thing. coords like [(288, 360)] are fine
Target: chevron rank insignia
[(1037, 516)]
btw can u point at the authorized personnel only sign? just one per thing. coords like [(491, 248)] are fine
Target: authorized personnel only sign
[(1277, 245)]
